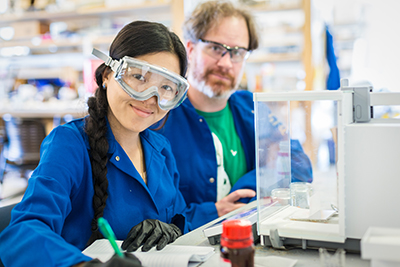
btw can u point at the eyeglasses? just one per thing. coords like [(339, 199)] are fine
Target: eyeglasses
[(218, 50)]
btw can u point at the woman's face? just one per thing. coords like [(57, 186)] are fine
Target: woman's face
[(127, 114)]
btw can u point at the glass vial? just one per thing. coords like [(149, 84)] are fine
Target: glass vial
[(237, 243), (283, 168)]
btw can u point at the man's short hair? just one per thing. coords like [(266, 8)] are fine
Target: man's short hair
[(207, 15)]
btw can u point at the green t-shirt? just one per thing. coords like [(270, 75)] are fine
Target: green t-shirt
[(222, 125)]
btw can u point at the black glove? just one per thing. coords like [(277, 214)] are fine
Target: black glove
[(150, 233), (130, 260)]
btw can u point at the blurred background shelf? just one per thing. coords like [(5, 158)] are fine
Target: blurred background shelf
[(284, 60), (86, 12), (271, 6), (46, 68), (276, 57), (49, 45)]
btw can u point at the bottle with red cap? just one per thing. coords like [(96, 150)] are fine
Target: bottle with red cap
[(237, 243)]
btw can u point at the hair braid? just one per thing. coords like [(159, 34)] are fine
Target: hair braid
[(96, 129)]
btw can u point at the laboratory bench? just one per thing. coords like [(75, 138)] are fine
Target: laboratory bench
[(304, 257)]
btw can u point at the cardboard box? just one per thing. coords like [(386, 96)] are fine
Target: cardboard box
[(29, 29)]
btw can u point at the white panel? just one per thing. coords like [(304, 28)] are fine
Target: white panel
[(372, 176), (298, 96), (385, 98)]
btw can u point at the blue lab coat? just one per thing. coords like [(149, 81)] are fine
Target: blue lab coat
[(333, 80), (52, 224), (193, 147)]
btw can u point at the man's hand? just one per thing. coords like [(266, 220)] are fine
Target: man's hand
[(229, 203)]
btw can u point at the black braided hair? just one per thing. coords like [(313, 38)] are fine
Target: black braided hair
[(135, 39)]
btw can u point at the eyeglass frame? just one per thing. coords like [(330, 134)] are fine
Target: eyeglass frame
[(228, 49)]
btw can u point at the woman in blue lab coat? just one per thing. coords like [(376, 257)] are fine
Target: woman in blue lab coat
[(108, 164)]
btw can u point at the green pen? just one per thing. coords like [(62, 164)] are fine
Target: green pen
[(108, 233)]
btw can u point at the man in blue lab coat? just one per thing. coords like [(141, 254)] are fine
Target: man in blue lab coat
[(215, 144)]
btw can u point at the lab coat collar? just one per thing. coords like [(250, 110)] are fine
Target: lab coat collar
[(152, 144), (155, 141)]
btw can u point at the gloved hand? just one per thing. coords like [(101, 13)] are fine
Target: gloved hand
[(130, 260), (151, 232)]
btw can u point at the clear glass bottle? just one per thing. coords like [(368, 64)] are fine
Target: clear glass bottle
[(237, 243)]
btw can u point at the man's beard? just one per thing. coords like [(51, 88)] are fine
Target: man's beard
[(219, 89)]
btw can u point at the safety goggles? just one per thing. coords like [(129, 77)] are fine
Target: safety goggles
[(218, 50), (140, 80)]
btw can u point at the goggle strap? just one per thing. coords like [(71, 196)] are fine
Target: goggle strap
[(107, 60)]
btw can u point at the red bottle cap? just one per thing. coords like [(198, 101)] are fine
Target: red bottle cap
[(237, 234)]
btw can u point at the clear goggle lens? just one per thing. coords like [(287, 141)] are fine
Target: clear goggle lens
[(142, 80)]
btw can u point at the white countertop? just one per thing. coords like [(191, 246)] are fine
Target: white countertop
[(305, 258)]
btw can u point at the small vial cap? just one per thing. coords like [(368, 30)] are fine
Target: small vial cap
[(237, 233)]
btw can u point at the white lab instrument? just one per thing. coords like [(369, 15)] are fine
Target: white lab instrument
[(356, 177)]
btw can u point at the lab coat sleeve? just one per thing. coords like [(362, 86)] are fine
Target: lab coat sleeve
[(301, 164), (199, 214), (301, 171), (272, 132), (180, 207), (247, 181), (34, 233)]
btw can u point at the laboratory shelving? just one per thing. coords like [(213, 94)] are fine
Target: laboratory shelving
[(283, 61), (73, 35)]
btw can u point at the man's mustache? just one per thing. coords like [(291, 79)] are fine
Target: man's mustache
[(225, 75)]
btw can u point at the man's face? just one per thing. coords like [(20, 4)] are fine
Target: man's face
[(218, 77)]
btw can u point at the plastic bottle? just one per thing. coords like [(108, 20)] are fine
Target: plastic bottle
[(283, 174), (237, 243)]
